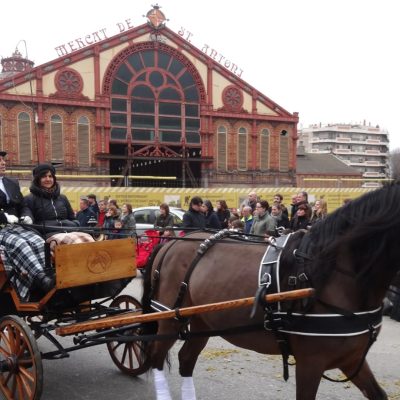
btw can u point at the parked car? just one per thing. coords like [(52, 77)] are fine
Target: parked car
[(146, 216)]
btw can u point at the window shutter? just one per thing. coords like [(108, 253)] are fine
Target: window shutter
[(264, 150), (24, 137), (56, 138), (221, 149), (284, 154), (242, 149), (83, 142)]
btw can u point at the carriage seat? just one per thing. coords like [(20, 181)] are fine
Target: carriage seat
[(3, 276)]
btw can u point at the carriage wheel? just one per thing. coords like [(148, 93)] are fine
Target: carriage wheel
[(21, 371), (128, 356)]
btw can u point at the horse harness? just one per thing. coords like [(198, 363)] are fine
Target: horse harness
[(283, 322)]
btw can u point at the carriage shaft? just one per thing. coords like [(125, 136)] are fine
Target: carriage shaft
[(136, 317)]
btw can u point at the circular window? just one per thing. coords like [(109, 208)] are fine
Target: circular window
[(232, 98), (156, 79)]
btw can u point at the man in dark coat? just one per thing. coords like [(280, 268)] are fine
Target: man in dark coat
[(194, 217), (23, 249), (86, 216)]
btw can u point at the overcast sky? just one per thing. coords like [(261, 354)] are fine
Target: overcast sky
[(331, 61)]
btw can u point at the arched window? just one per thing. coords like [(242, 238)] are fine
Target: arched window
[(56, 138), (221, 148), (264, 150), (283, 151), (24, 138), (83, 142), (242, 149), (154, 97)]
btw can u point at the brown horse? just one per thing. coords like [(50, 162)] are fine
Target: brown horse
[(350, 258)]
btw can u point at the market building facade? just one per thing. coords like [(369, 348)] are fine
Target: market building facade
[(143, 104)]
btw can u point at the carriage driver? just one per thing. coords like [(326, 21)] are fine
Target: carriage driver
[(22, 250)]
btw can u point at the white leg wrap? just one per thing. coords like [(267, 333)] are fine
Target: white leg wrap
[(161, 385), (188, 390)]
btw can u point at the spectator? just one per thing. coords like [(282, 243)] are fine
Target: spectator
[(45, 204), (233, 218), (164, 219), (300, 220), (263, 224), (112, 223), (280, 218), (93, 204), (22, 250), (293, 206), (302, 198), (251, 201), (223, 213), (319, 211), (194, 218), (212, 220), (237, 225), (247, 218), (278, 199), (86, 216), (102, 212), (127, 220), (113, 202)]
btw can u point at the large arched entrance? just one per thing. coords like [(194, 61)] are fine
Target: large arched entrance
[(155, 96)]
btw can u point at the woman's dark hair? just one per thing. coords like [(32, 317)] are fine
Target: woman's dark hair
[(209, 206), (264, 204), (129, 207), (165, 207), (41, 170), (223, 204)]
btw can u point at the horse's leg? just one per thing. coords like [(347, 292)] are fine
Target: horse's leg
[(159, 352), (308, 376), (366, 382), (188, 355)]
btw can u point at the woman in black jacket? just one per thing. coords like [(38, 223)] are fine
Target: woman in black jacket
[(223, 213), (212, 220), (46, 205)]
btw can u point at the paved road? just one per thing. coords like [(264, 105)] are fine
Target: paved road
[(223, 372)]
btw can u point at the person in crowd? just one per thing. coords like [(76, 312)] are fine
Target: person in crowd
[(50, 210), (280, 218), (251, 201), (165, 218), (278, 199), (112, 223), (102, 212), (263, 224), (22, 249), (319, 211), (93, 204), (237, 225), (247, 218), (233, 218), (302, 198), (223, 213), (212, 220), (293, 206), (113, 202), (194, 217), (300, 220), (128, 221), (85, 216)]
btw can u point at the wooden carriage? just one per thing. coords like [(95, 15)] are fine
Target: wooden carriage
[(89, 278)]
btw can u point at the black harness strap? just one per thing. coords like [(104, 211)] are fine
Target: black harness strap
[(203, 248)]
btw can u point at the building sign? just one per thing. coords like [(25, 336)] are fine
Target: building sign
[(97, 36), (156, 19)]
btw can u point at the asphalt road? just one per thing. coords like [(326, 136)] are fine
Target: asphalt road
[(222, 372)]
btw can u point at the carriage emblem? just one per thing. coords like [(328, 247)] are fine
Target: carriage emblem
[(99, 262), (156, 18)]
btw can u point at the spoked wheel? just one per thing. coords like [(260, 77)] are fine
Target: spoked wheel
[(21, 371), (128, 356)]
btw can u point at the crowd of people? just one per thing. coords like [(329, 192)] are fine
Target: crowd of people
[(256, 216)]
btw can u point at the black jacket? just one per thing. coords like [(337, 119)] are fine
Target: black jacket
[(14, 205), (49, 208), (194, 219)]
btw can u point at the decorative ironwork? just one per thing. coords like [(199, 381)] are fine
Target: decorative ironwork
[(156, 18), (69, 83)]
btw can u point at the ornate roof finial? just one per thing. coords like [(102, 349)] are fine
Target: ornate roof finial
[(155, 17)]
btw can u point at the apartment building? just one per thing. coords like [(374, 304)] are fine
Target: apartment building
[(363, 147)]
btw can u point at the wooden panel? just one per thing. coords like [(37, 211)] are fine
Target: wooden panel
[(87, 263), (3, 275)]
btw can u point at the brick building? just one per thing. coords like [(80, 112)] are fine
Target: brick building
[(145, 103)]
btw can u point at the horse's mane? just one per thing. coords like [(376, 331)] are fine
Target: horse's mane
[(366, 230)]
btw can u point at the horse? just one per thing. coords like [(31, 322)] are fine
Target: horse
[(350, 259)]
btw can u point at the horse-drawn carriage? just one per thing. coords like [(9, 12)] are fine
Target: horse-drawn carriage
[(348, 260), (89, 279)]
